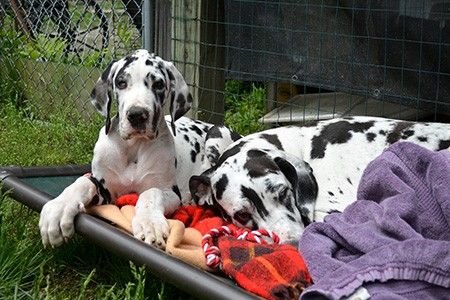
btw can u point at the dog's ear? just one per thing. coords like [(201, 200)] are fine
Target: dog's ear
[(180, 97), (303, 182), (101, 94), (200, 188)]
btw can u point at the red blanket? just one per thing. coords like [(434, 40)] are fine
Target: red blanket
[(270, 270), (273, 271)]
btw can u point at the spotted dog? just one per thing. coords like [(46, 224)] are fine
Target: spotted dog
[(285, 178), (136, 151)]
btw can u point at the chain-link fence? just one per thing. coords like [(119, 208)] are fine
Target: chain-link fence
[(254, 63), (52, 51)]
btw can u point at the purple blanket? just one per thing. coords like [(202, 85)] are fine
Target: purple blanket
[(395, 244)]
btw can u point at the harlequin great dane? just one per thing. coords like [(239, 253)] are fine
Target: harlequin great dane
[(135, 151), (285, 178)]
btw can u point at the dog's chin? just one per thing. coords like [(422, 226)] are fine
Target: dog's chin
[(141, 134)]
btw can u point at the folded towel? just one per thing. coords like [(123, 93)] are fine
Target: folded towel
[(395, 241)]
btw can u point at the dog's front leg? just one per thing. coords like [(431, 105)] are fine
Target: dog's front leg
[(149, 224), (57, 216)]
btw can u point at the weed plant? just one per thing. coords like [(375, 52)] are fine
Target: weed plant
[(244, 105)]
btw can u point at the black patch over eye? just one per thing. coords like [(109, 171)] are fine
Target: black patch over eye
[(159, 85), (242, 217)]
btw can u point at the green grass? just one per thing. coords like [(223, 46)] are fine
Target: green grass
[(78, 269)]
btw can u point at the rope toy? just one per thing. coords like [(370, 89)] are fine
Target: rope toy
[(212, 253)]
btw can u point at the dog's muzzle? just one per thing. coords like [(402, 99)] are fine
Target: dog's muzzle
[(138, 117)]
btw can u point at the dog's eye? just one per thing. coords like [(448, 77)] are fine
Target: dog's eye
[(158, 85), (242, 216), (283, 194), (121, 84)]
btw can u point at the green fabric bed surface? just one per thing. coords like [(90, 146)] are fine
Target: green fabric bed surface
[(52, 185)]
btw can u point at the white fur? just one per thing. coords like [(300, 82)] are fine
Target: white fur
[(130, 159)]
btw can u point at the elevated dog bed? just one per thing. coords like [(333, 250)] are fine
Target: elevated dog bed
[(34, 186)]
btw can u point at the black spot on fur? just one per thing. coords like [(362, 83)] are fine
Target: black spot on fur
[(444, 144), (234, 135), (186, 137), (148, 62), (220, 186), (273, 139), (255, 200), (214, 133), (160, 95), (105, 73), (170, 74), (399, 132), (128, 61), (193, 156), (230, 152), (371, 136), (349, 181), (213, 154), (204, 128), (101, 190), (196, 129), (331, 194), (156, 117), (258, 164), (197, 147), (161, 66), (284, 200), (176, 190), (422, 138), (336, 133), (304, 212), (270, 188), (181, 99)]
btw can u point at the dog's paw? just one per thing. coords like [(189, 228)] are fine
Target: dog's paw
[(152, 229), (57, 216), (56, 221)]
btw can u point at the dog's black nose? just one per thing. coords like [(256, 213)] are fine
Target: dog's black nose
[(137, 116)]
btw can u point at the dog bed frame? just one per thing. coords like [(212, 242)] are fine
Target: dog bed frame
[(34, 186)]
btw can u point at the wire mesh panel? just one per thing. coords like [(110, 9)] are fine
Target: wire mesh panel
[(52, 52), (322, 59), (393, 51)]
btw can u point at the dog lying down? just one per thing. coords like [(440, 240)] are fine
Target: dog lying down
[(283, 179)]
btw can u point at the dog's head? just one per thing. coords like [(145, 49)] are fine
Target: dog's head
[(260, 189), (142, 83)]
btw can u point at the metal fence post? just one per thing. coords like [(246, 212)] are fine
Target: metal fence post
[(147, 30)]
